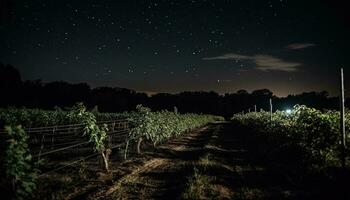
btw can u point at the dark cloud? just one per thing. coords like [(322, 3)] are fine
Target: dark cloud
[(297, 46), (263, 62)]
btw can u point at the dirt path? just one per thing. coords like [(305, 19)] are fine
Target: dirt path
[(219, 161), (165, 172)]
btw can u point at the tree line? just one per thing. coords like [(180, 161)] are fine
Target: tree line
[(36, 94)]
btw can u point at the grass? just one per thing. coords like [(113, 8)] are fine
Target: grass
[(205, 161), (199, 186), (249, 194)]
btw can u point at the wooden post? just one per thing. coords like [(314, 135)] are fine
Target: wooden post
[(53, 137), (271, 109), (254, 108), (249, 110), (139, 145), (342, 118), (126, 149), (175, 109)]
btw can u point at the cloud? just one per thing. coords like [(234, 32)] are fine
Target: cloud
[(263, 62), (297, 46), (229, 56), (270, 63)]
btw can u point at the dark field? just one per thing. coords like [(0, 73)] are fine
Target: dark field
[(219, 161)]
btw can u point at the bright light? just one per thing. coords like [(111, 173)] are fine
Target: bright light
[(288, 111)]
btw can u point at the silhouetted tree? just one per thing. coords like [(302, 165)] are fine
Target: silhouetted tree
[(10, 84), (9, 76), (35, 94)]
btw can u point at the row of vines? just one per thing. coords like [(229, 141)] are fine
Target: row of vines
[(314, 133), (30, 118), (21, 170)]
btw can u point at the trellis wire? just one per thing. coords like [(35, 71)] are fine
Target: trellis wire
[(49, 140)]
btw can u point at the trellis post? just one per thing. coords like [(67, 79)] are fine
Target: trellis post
[(271, 109), (342, 118)]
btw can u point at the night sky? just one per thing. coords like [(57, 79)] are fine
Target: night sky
[(287, 46)]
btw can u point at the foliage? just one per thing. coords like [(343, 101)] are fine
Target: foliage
[(20, 168), (155, 127), (29, 118), (158, 127), (314, 132), (97, 135)]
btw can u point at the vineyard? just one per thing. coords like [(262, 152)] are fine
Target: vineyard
[(314, 133), (41, 143), (81, 154)]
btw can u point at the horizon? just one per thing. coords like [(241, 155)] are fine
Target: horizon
[(151, 93)]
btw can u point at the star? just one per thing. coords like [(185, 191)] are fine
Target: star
[(173, 37)]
